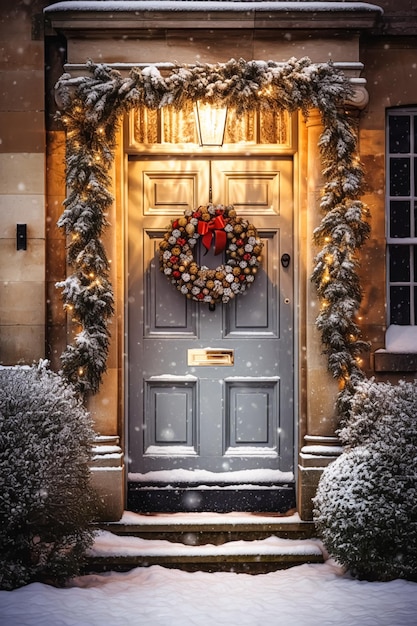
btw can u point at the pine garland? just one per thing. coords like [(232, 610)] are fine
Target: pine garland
[(342, 232), (92, 106)]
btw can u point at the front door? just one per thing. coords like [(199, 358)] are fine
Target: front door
[(184, 413)]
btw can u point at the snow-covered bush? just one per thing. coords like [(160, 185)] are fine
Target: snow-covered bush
[(46, 501), (366, 502), (382, 412), (366, 511)]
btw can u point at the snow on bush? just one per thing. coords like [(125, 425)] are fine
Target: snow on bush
[(382, 412), (46, 501), (366, 502)]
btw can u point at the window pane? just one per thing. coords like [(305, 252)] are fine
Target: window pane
[(273, 127), (415, 176), (240, 129), (399, 264), (400, 305), (415, 218), (179, 126), (145, 125), (399, 133), (415, 308), (400, 177), (415, 134), (399, 222), (414, 277)]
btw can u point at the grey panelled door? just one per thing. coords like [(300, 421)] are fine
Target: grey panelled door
[(192, 416)]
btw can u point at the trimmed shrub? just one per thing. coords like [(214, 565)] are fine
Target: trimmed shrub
[(366, 502), (47, 502), (382, 412), (366, 512)]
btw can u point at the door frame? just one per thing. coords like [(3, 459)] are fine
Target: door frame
[(299, 274)]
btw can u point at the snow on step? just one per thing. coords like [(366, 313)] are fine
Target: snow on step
[(206, 518), (109, 545), (204, 477)]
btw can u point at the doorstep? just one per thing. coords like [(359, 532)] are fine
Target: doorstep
[(239, 542)]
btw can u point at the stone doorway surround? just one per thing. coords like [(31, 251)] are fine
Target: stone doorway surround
[(127, 34)]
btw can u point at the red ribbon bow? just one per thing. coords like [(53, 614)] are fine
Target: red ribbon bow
[(213, 228)]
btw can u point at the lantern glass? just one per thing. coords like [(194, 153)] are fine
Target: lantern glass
[(211, 123)]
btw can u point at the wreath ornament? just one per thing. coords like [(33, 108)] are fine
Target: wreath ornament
[(218, 227)]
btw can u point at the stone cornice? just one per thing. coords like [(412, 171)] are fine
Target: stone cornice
[(74, 18)]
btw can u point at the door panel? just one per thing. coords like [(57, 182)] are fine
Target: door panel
[(253, 187), (257, 312), (171, 187), (165, 316), (171, 418), (246, 399), (212, 417)]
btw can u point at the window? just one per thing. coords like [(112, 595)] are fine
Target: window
[(401, 153), (168, 128)]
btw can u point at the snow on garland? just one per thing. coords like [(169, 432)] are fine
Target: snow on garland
[(92, 106), (221, 228)]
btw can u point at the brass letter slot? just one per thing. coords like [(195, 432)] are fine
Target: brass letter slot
[(210, 356)]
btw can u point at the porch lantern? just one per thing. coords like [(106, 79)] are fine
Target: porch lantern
[(210, 122)]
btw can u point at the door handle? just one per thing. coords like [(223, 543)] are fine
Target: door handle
[(285, 260)]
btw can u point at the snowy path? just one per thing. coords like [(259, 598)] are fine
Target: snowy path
[(306, 595)]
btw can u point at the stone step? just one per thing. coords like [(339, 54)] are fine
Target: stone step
[(240, 542), (215, 528)]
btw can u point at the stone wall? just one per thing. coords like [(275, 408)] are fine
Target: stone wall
[(390, 68), (22, 182)]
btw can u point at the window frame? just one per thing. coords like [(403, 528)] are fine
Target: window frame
[(410, 241)]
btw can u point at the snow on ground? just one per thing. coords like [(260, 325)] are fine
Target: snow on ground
[(305, 595)]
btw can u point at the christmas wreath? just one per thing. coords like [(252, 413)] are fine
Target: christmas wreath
[(218, 227)]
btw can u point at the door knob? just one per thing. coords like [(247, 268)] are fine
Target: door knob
[(285, 260)]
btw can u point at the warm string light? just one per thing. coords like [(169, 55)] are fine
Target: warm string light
[(266, 91), (326, 278)]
